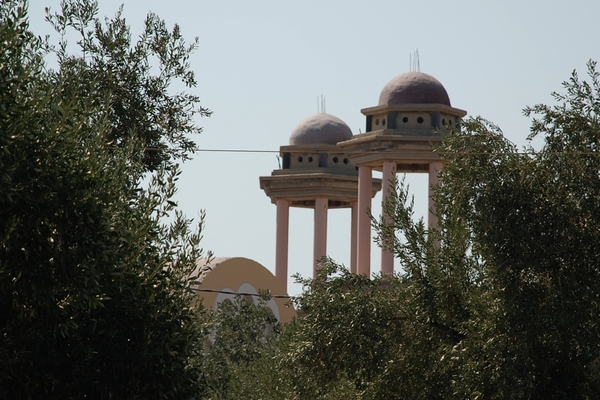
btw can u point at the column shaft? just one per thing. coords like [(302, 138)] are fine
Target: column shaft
[(387, 256), (281, 241), (320, 237), (363, 256), (353, 237), (434, 169)]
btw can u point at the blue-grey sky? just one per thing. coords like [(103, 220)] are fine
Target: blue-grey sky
[(261, 65)]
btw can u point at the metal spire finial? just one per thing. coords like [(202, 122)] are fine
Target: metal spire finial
[(414, 62), (321, 103)]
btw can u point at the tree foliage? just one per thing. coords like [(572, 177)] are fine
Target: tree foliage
[(132, 81), (95, 290), (243, 335), (250, 356), (530, 223)]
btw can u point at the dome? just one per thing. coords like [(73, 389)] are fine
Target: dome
[(414, 88), (320, 129)]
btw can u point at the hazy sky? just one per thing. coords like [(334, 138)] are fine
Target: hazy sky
[(262, 64)]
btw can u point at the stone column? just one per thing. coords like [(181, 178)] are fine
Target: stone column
[(434, 169), (281, 241), (387, 256), (353, 237), (320, 238), (363, 253)]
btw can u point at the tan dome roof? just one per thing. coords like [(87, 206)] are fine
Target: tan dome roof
[(414, 88), (320, 129)]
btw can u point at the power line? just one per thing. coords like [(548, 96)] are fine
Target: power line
[(458, 153), (229, 150), (274, 296)]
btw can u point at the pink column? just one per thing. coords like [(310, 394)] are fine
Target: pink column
[(434, 169), (353, 236), (281, 241), (320, 243), (387, 257), (363, 253)]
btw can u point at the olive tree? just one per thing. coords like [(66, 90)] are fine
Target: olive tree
[(95, 289), (132, 80), (502, 299)]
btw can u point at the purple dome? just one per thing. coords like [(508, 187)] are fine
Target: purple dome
[(414, 88), (320, 129)]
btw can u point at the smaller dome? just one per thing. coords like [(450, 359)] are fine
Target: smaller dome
[(320, 129), (414, 88)]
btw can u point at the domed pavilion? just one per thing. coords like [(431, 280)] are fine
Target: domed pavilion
[(315, 173), (413, 113)]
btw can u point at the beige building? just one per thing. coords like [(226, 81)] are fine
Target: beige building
[(225, 277)]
